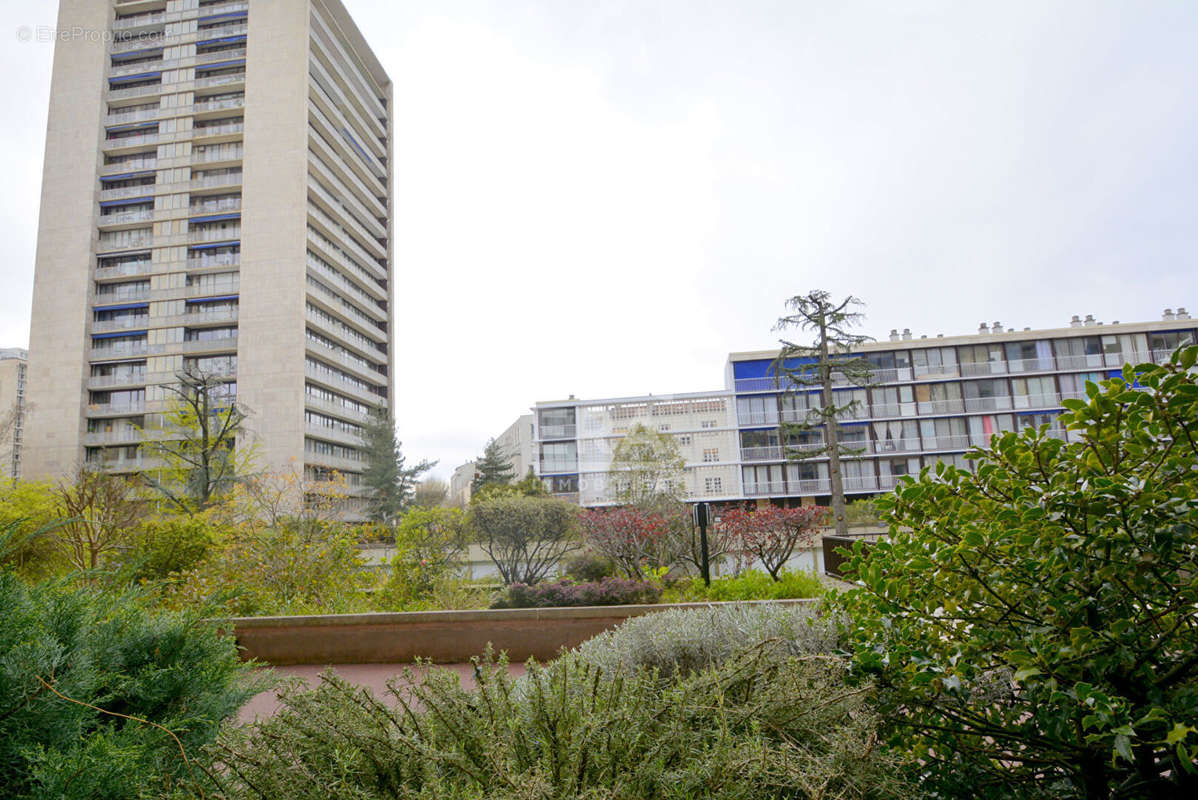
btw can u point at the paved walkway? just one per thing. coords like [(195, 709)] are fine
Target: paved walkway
[(372, 676)]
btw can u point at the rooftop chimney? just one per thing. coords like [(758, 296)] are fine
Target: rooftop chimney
[(1182, 313), (1168, 315), (1076, 322), (996, 327), (906, 334), (983, 328), (894, 335), (1088, 321)]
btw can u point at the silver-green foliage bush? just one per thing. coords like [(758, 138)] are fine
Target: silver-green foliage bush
[(687, 640)]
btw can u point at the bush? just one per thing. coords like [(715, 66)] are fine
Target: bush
[(275, 571), (162, 545), (429, 543), (757, 725), (109, 652), (526, 537), (1033, 621), (749, 585), (588, 566), (606, 592), (682, 641)]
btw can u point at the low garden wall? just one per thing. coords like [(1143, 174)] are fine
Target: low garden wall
[(443, 636)]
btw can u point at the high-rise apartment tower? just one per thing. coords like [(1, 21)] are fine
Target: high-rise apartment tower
[(216, 196)]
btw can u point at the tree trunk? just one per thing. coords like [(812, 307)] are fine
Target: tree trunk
[(831, 431)]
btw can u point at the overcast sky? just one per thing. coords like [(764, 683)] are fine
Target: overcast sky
[(605, 198)]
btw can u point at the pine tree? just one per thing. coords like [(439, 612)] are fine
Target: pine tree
[(493, 467), (390, 483), (818, 366)]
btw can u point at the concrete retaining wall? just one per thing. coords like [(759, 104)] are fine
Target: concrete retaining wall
[(444, 636)]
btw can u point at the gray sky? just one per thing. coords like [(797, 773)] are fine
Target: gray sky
[(606, 198)]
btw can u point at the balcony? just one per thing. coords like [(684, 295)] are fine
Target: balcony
[(125, 351), (219, 154), (343, 386), (946, 442), (221, 55), (329, 274), (344, 412), (217, 130), (224, 315), (111, 381), (121, 192), (890, 374), (210, 346), (138, 21), (886, 446), (227, 204), (218, 105), (124, 270), (361, 370), (334, 462), (125, 117), (124, 243), (335, 435), (208, 288), (1021, 365), (934, 372), (222, 260), (1026, 401), (213, 181), (559, 432), (220, 80), (137, 43), (345, 239), (883, 410), (118, 142), (997, 403), (135, 91), (771, 452), (123, 324), (126, 436), (950, 406), (350, 216), (126, 217), (134, 69), (973, 369), (213, 235), (130, 165), (115, 409), (1094, 361)]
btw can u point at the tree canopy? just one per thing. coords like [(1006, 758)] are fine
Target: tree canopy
[(390, 483), (494, 467)]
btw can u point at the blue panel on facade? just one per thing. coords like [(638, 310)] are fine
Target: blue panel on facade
[(222, 298), (122, 307), (220, 65), (136, 126), (230, 15), (764, 368), (225, 40), (214, 218), (214, 245), (141, 76), (131, 54), (126, 176), (121, 335), (132, 201)]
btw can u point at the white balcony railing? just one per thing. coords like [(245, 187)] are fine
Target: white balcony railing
[(220, 80), (138, 21), (121, 192), (219, 105), (957, 442), (123, 217), (135, 91), (950, 406), (1020, 365), (997, 403), (1025, 401), (972, 369), (123, 324)]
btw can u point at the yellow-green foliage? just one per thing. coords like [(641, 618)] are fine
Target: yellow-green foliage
[(29, 510), (749, 585)]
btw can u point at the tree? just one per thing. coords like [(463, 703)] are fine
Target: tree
[(493, 468), (526, 537), (298, 497), (818, 365), (200, 442), (630, 537), (99, 510), (430, 493), (770, 534), (389, 481), (1031, 624), (430, 543), (29, 512), (646, 464)]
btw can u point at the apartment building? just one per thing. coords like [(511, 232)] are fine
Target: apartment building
[(13, 365), (517, 444), (929, 400), (460, 483), (217, 197)]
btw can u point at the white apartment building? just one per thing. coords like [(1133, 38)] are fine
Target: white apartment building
[(13, 364), (929, 400), (517, 444), (217, 195)]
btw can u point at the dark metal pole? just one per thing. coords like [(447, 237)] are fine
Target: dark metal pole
[(701, 514)]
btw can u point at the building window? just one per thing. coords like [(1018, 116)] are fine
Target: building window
[(663, 428), (707, 423), (713, 485), (684, 438), (711, 454)]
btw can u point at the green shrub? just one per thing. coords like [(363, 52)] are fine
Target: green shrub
[(760, 724), (1033, 621), (162, 545), (605, 592), (682, 641), (748, 585), (111, 653), (588, 566), (429, 543)]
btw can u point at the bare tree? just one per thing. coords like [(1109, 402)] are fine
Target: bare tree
[(98, 510), (820, 365), (526, 537), (198, 442)]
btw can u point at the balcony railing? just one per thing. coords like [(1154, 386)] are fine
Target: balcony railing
[(971, 369), (220, 80), (230, 179), (106, 409), (219, 105), (213, 234), (138, 21), (950, 406), (217, 130), (210, 345), (1019, 365), (559, 431), (209, 207), (124, 270), (122, 217), (128, 436), (129, 165), (1094, 361), (220, 154), (336, 408), (141, 115), (1025, 401), (959, 442), (996, 403), (133, 69), (137, 43), (334, 435), (911, 445), (123, 324), (223, 260), (135, 91), (121, 192), (881, 410), (117, 142), (123, 243), (124, 379)]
